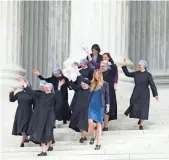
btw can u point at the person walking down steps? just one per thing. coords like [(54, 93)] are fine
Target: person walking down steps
[(140, 99), (43, 132)]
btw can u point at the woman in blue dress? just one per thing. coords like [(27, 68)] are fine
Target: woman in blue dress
[(99, 102)]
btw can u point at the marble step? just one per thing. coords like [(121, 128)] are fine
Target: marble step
[(97, 156), (107, 149)]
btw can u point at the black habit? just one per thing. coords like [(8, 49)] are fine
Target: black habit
[(85, 73), (23, 113), (140, 99), (62, 113), (43, 129), (36, 110), (79, 118), (108, 76)]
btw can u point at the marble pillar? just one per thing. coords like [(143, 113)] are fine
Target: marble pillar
[(10, 68), (58, 33), (149, 37), (45, 34)]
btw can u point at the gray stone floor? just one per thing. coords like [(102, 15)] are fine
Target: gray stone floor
[(124, 141)]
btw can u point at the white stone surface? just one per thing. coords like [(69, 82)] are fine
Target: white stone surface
[(124, 141), (10, 41)]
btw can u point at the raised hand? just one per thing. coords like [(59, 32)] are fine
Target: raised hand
[(124, 62), (75, 65), (36, 72), (61, 82), (86, 50)]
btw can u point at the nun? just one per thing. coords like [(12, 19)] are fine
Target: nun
[(109, 74), (43, 132), (79, 118), (36, 110), (23, 113), (86, 71), (140, 99), (64, 112)]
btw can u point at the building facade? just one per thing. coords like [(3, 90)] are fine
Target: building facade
[(47, 34)]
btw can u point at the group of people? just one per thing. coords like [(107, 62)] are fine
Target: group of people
[(94, 81)]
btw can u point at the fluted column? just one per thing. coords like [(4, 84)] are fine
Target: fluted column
[(58, 33), (10, 41), (149, 37)]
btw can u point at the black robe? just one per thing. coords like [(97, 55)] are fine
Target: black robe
[(85, 73), (79, 118), (36, 110), (62, 113), (23, 113), (43, 129), (140, 99), (108, 76)]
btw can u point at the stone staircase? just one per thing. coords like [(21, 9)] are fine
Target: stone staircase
[(123, 141)]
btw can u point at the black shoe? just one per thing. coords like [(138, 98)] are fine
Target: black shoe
[(42, 154), (64, 122), (140, 127), (139, 122), (92, 140), (26, 141), (85, 138), (105, 129), (22, 145), (50, 149), (82, 139), (98, 146)]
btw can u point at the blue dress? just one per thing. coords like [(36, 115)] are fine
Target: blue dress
[(96, 110)]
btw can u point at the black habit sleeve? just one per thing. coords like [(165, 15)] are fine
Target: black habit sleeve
[(49, 80), (12, 97), (127, 73), (152, 85), (67, 83), (32, 92), (74, 86)]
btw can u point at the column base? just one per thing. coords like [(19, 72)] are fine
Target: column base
[(161, 78), (9, 75)]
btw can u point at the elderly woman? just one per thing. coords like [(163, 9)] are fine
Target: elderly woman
[(36, 109), (64, 112), (79, 118), (43, 132), (140, 99), (23, 113)]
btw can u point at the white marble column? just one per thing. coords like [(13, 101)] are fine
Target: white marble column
[(149, 37), (10, 41), (58, 33)]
